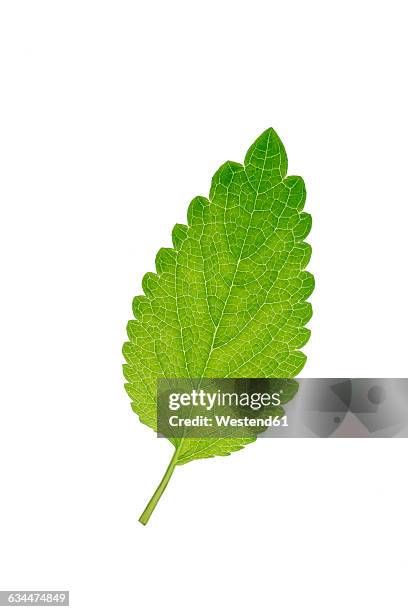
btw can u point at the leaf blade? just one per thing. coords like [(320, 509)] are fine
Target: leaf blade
[(230, 298)]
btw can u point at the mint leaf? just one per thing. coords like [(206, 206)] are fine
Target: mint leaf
[(229, 300)]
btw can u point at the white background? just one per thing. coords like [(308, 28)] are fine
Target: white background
[(113, 116)]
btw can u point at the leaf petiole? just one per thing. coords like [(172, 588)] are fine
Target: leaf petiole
[(147, 512)]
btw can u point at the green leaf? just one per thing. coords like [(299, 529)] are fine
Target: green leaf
[(229, 299)]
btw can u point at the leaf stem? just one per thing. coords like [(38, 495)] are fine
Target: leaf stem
[(147, 512)]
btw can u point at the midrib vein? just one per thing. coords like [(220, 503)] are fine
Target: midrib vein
[(229, 292)]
